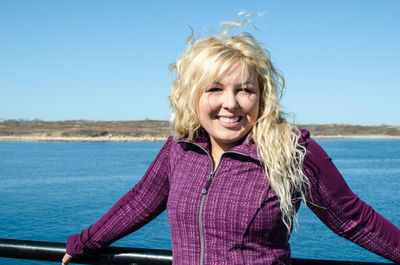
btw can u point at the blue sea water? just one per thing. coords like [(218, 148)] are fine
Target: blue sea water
[(52, 190)]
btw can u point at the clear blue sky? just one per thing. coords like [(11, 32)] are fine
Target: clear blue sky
[(108, 60)]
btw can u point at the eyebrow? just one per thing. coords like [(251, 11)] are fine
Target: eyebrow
[(217, 83), (248, 82)]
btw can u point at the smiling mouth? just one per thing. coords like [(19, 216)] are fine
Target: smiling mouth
[(230, 120)]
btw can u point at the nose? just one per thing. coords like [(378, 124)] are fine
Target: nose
[(229, 100)]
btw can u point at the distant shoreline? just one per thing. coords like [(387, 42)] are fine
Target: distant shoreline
[(156, 131), (156, 139), (81, 139)]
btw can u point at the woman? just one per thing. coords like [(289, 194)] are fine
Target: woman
[(233, 175)]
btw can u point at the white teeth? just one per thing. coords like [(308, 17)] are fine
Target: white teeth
[(229, 120)]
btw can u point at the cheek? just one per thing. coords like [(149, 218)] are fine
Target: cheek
[(207, 104), (203, 108), (250, 103)]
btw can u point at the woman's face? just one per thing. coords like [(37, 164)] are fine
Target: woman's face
[(228, 108)]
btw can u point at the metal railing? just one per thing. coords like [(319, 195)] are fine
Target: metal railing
[(51, 251)]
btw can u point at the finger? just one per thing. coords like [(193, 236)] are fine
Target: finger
[(66, 259)]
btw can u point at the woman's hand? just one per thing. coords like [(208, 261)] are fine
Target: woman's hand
[(66, 259)]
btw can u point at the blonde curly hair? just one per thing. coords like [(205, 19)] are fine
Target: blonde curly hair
[(201, 63)]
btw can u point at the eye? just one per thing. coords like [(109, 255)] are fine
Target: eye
[(246, 90), (214, 89)]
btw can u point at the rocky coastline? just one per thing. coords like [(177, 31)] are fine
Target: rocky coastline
[(153, 131)]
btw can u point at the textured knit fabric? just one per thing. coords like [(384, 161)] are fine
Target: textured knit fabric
[(232, 216)]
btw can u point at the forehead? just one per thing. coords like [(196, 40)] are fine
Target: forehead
[(237, 72)]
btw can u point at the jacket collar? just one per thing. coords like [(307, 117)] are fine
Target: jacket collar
[(247, 147)]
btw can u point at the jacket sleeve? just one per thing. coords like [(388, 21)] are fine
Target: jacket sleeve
[(342, 211), (136, 208)]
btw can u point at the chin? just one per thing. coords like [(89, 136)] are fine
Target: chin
[(231, 139)]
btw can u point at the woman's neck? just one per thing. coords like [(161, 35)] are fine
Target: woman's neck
[(217, 150)]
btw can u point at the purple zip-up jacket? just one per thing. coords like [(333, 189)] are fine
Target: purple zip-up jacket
[(231, 215)]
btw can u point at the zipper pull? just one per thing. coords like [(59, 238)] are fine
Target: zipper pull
[(208, 184)]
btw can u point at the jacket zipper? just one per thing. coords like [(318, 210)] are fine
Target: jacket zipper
[(203, 198), (204, 192)]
